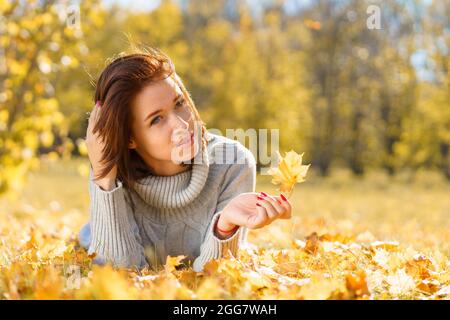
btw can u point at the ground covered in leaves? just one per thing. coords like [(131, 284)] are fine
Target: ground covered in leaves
[(373, 247)]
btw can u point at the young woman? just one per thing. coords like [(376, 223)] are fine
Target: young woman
[(160, 183)]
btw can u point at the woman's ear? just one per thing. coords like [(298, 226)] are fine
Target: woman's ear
[(131, 144)]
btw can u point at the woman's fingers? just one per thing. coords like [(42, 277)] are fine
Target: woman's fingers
[(274, 208), (275, 203), (91, 121), (286, 205), (259, 220), (96, 114), (271, 212), (93, 118), (278, 207), (268, 209), (91, 114)]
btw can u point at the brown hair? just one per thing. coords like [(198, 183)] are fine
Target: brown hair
[(116, 88)]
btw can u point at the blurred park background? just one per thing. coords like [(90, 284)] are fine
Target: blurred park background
[(349, 91), (361, 87)]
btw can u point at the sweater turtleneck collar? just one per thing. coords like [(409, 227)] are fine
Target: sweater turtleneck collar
[(178, 190)]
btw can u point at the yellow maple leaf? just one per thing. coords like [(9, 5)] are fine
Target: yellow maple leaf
[(290, 171), (172, 262)]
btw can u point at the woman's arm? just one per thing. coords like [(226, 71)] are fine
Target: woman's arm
[(114, 233), (239, 178)]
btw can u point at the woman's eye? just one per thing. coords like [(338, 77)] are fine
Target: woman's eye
[(179, 103), (155, 120)]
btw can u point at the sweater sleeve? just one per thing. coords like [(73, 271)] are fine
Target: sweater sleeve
[(114, 233), (239, 178)]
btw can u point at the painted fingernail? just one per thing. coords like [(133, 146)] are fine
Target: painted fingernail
[(259, 198), (258, 205), (264, 194), (283, 197)]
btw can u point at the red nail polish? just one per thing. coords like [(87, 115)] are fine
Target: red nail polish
[(264, 194), (258, 205), (259, 198), (283, 197)]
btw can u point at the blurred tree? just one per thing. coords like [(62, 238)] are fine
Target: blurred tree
[(362, 80), (426, 135), (39, 41)]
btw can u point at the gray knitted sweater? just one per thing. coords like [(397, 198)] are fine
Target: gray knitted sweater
[(171, 215)]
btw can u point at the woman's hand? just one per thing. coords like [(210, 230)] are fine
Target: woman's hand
[(95, 146), (254, 211)]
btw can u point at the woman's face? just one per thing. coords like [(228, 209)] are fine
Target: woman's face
[(163, 126)]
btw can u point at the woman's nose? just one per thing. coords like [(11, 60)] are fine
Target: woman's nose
[(180, 122), (179, 131)]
